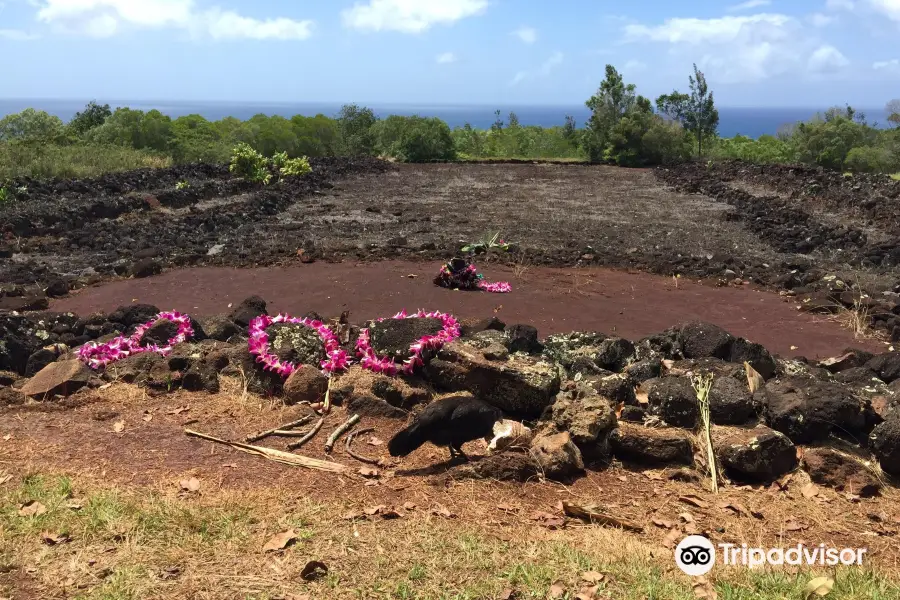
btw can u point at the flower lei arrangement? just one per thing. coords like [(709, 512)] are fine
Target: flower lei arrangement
[(99, 355), (379, 364), (259, 345), (460, 274)]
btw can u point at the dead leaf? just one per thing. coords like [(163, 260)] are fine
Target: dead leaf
[(32, 508), (7, 437), (704, 589), (672, 538), (353, 516), (668, 363), (230, 465), (313, 570), (622, 478), (119, 426), (75, 504), (5, 478), (507, 594), (592, 576), (411, 276), (52, 539), (557, 590), (374, 441), (653, 475), (442, 511), (409, 506), (794, 348), (507, 508), (280, 541), (178, 411), (390, 513), (170, 573), (693, 501), (686, 517), (820, 586), (662, 523), (810, 490), (735, 507), (190, 485), (587, 593), (754, 379), (374, 510), (619, 408), (548, 520), (793, 525), (642, 397), (368, 472), (148, 416)]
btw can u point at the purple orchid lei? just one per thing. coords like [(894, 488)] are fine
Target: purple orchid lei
[(259, 345), (461, 274), (371, 361), (99, 355)]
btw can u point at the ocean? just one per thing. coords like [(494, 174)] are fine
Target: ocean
[(748, 121)]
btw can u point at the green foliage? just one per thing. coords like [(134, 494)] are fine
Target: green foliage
[(5, 195), (30, 124), (765, 149), (93, 115), (827, 139), (613, 100), (355, 128), (893, 112), (872, 159), (488, 242), (194, 139), (250, 164), (294, 167), (42, 160), (641, 138), (414, 139), (695, 111), (135, 128), (182, 185)]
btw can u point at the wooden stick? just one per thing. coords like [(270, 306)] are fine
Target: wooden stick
[(309, 435), (594, 515), (295, 460), (289, 433), (264, 434), (359, 457), (329, 443)]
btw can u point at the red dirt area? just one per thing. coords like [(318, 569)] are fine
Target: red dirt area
[(554, 300)]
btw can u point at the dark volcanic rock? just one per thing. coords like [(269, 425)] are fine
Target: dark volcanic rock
[(703, 340), (754, 455), (160, 333), (759, 358), (57, 288), (644, 370), (617, 387), (885, 443), (851, 359), (809, 410), (647, 446), (587, 416), (523, 338), (730, 402), (59, 378), (674, 401), (247, 310), (219, 327), (24, 303), (202, 375), (507, 466), (366, 405), (11, 397), (133, 315), (614, 354), (886, 366), (393, 337), (296, 344), (39, 360), (146, 267), (306, 384), (840, 471), (556, 455), (133, 369), (633, 414)]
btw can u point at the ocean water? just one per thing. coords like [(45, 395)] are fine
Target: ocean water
[(752, 122)]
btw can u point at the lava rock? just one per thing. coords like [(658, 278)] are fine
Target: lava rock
[(886, 366), (24, 303), (507, 466), (523, 338), (614, 354), (759, 358), (59, 378), (472, 326), (257, 379), (160, 333), (644, 370), (201, 376), (133, 315), (731, 403), (393, 337), (39, 360), (306, 384), (11, 397), (146, 267), (133, 369), (633, 414), (618, 388), (702, 340), (587, 416), (556, 455), (633, 443), (219, 327), (7, 378), (57, 288), (885, 443), (808, 410), (840, 471), (367, 405), (247, 310), (754, 455), (851, 359), (858, 376), (674, 401)]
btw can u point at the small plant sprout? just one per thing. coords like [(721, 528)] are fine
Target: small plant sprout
[(702, 385), (486, 243), (182, 185), (5, 196)]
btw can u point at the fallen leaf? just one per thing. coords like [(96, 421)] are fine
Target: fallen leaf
[(662, 523), (7, 437), (587, 593), (75, 504), (368, 472), (793, 525), (693, 501), (548, 520), (442, 511), (313, 570), (374, 441), (52, 539), (409, 506), (668, 363), (794, 348), (412, 276), (148, 416), (672, 538), (642, 397), (653, 475), (809, 490), (686, 517), (622, 478), (557, 590), (850, 497), (119, 426), (619, 408), (704, 589), (735, 507), (230, 465), (374, 510), (178, 411), (592, 576), (190, 485), (507, 508), (32, 508), (5, 478), (353, 516), (280, 541), (507, 594), (820, 586)]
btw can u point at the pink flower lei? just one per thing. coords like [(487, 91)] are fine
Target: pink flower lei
[(459, 274), (259, 345), (99, 355), (371, 361)]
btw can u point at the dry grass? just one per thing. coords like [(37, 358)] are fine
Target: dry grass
[(858, 319), (521, 266)]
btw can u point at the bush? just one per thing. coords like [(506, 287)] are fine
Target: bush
[(293, 167), (30, 124), (250, 164), (42, 160), (355, 126), (870, 159)]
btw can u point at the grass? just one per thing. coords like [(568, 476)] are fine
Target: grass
[(137, 543), (896, 176), (78, 160)]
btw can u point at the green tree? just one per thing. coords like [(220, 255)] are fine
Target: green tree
[(695, 111), (355, 130), (30, 124), (194, 139), (613, 100), (93, 115), (893, 112)]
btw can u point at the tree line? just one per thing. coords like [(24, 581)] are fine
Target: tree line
[(624, 128)]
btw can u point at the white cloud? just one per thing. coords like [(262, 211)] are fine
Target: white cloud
[(821, 20), (446, 58), (827, 59), (889, 8), (551, 63), (633, 66), (733, 49), (526, 34), (839, 4), (104, 18), (749, 4), (519, 78), (544, 70), (892, 64), (409, 16), (17, 35)]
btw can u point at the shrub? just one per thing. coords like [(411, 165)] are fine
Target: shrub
[(42, 160), (250, 164), (182, 185), (293, 167), (871, 159)]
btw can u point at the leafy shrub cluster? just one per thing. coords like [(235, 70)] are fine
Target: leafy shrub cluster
[(252, 165)]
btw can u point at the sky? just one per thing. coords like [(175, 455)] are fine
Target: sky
[(775, 53)]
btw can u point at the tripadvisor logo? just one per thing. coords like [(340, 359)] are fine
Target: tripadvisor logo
[(696, 555)]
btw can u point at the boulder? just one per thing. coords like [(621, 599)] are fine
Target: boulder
[(202, 375), (491, 343), (162, 379), (306, 384), (731, 403), (617, 387), (808, 410), (11, 397), (886, 366), (471, 326), (633, 443), (133, 315), (507, 466), (614, 354), (39, 360), (146, 267), (644, 370), (259, 381), (59, 378), (633, 414), (24, 303), (702, 340), (664, 345), (521, 386), (556, 455), (759, 358), (587, 416), (20, 337), (759, 454), (523, 338), (57, 288), (247, 310), (219, 327), (160, 333), (674, 400), (858, 376), (885, 443), (8, 378), (851, 359), (393, 337), (366, 405), (840, 471), (396, 391), (133, 369)]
